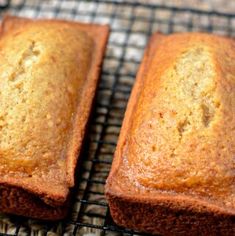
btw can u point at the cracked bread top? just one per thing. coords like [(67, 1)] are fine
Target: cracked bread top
[(44, 65), (180, 138)]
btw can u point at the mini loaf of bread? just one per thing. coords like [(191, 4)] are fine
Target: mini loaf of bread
[(49, 72), (174, 167)]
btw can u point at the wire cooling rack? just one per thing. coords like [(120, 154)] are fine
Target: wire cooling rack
[(131, 25)]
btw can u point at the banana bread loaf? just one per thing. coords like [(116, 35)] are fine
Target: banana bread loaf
[(49, 72), (174, 166)]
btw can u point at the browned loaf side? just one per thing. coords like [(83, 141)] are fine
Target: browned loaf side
[(49, 72), (174, 166)]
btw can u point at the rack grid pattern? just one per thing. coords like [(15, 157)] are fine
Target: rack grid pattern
[(131, 25)]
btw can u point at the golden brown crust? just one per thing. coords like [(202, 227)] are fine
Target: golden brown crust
[(154, 211), (48, 202)]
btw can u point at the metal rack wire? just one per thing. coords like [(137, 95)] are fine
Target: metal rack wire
[(131, 25)]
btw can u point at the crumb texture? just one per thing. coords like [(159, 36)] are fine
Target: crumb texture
[(42, 72), (181, 138)]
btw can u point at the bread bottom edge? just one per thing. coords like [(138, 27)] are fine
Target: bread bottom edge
[(156, 218), (20, 202)]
